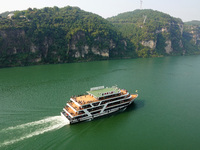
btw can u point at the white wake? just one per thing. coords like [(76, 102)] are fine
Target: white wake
[(31, 129)]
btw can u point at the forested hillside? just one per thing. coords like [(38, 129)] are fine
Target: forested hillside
[(154, 33), (69, 34), (5, 14), (194, 22), (191, 36), (57, 35)]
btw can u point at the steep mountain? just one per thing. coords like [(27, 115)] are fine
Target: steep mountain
[(5, 14), (69, 34), (57, 35), (153, 33), (194, 22), (192, 33)]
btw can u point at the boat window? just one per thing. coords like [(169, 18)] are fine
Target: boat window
[(86, 106), (95, 104), (96, 108), (116, 106), (80, 112), (95, 112), (80, 116)]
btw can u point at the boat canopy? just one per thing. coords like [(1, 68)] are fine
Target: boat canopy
[(98, 92)]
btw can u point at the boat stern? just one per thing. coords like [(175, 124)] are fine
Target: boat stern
[(65, 117)]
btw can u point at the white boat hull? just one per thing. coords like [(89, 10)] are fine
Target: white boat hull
[(89, 118)]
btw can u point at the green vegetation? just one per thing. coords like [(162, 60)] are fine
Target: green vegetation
[(149, 25), (191, 38), (57, 35), (69, 34), (5, 14), (194, 22)]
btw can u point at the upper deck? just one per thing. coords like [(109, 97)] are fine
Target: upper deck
[(99, 92), (87, 99), (84, 101)]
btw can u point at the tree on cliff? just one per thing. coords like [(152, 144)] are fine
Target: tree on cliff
[(163, 32), (57, 35)]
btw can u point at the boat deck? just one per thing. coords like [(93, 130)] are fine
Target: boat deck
[(85, 99), (124, 91), (71, 111)]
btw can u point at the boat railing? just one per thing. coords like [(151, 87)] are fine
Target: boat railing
[(126, 99), (84, 103), (113, 98)]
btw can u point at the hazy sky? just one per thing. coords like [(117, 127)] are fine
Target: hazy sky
[(187, 10)]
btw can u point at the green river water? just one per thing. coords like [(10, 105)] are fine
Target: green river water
[(165, 116)]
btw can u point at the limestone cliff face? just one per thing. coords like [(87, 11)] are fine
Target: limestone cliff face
[(191, 36), (11, 40), (152, 32), (78, 50), (79, 47), (18, 47), (168, 48), (59, 35), (194, 33), (169, 39), (151, 44)]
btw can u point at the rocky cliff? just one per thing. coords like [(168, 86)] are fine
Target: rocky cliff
[(153, 33), (69, 34), (191, 35), (58, 35)]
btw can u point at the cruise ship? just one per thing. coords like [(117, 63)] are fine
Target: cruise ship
[(99, 101)]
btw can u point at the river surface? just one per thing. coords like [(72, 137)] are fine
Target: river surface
[(165, 116)]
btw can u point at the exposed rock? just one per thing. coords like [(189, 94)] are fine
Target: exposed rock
[(38, 59), (77, 54), (58, 58), (112, 44), (72, 34), (162, 30), (85, 50), (150, 44), (105, 53), (181, 44), (33, 48), (125, 43), (46, 45), (95, 51), (181, 28), (73, 47), (3, 34), (10, 16), (14, 50), (81, 50), (194, 33), (168, 48)]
